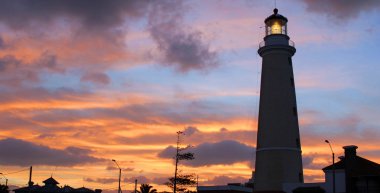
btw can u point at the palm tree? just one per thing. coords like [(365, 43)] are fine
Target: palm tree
[(146, 188)]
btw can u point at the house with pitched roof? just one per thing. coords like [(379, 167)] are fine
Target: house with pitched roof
[(51, 186), (353, 174)]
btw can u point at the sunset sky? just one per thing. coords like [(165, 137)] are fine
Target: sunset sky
[(86, 81)]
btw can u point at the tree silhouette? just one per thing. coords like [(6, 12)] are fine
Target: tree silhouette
[(180, 182), (4, 189), (146, 188)]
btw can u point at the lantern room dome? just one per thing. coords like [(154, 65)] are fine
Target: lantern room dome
[(276, 16)]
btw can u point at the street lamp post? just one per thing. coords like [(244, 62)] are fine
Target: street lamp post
[(119, 190), (333, 166), (6, 179)]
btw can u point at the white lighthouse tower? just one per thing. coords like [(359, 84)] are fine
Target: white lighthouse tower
[(278, 154)]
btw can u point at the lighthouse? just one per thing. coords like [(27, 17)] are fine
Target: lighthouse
[(278, 150)]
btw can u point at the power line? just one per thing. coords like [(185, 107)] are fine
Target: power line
[(16, 171)]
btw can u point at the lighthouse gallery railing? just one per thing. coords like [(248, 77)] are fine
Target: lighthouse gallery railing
[(290, 43)]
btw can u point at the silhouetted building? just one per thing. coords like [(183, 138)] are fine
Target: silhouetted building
[(278, 153), (353, 174), (312, 189), (51, 186), (229, 188)]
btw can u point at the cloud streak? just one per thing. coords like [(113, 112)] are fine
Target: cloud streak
[(25, 153), (16, 72)]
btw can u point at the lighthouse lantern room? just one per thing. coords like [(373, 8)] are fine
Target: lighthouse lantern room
[(276, 24)]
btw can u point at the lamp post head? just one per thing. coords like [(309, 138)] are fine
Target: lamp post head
[(116, 164), (328, 142)]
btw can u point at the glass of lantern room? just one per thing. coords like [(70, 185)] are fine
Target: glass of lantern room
[(276, 24)]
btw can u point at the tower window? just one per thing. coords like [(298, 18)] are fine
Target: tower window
[(290, 61), (292, 81), (295, 111), (298, 143)]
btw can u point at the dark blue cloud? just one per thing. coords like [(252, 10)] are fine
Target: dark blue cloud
[(342, 9), (185, 50), (92, 14), (179, 47), (22, 153), (220, 153)]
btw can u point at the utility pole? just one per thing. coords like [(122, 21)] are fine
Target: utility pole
[(135, 185), (176, 163), (30, 183), (119, 180), (197, 183)]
